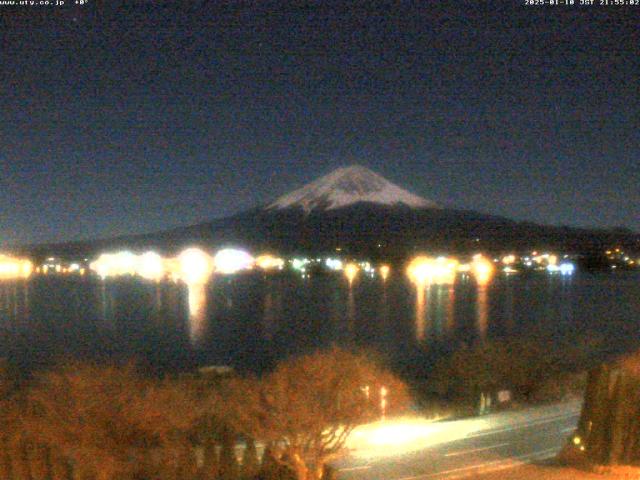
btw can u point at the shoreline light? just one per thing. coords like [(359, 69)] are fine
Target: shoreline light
[(150, 266), (230, 260), (334, 264), (194, 266), (269, 262), (567, 268), (300, 264), (482, 269), (424, 270), (12, 268), (114, 264), (509, 259), (351, 271), (384, 272)]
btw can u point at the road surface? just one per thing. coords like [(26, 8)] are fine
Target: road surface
[(414, 449)]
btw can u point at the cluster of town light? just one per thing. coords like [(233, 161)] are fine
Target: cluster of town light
[(196, 266), (269, 262), (620, 258), (56, 266), (424, 270), (191, 266), (549, 262), (14, 268)]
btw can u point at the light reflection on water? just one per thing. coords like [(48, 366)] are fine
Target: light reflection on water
[(197, 300), (450, 313), (351, 312), (482, 315), (434, 312), (252, 319), (422, 292), (269, 315)]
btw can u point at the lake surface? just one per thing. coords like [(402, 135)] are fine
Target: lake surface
[(251, 320)]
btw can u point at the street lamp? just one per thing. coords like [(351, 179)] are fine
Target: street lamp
[(383, 401)]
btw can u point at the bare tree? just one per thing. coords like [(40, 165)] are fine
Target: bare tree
[(110, 422), (13, 454), (87, 421), (310, 404)]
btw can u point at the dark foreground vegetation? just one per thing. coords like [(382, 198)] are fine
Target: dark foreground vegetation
[(84, 421), (535, 369), (96, 421), (609, 427), (607, 438)]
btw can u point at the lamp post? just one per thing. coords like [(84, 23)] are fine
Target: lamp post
[(383, 401)]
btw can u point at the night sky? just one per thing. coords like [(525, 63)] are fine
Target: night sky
[(131, 117)]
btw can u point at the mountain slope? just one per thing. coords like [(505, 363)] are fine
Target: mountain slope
[(347, 186), (360, 213)]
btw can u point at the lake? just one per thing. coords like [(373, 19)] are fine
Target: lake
[(253, 319)]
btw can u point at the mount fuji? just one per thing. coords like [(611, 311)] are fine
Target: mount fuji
[(348, 186), (360, 213)]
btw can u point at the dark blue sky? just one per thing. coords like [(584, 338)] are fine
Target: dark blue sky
[(139, 116)]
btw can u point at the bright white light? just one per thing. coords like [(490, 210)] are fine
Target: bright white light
[(553, 268), (231, 260), (114, 264), (567, 268), (102, 266), (427, 270), (150, 266), (299, 263), (404, 435), (195, 266), (12, 268), (333, 264), (125, 262)]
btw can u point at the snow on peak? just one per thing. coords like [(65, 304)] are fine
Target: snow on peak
[(346, 186)]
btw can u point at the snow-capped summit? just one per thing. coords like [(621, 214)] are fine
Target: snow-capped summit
[(347, 186)]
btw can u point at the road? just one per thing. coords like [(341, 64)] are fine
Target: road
[(414, 449)]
